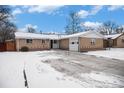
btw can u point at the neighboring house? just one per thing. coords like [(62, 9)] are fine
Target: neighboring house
[(83, 41), (115, 41)]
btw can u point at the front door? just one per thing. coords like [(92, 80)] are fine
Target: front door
[(51, 43), (54, 44)]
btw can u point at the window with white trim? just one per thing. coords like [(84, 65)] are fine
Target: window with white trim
[(93, 41), (55, 41)]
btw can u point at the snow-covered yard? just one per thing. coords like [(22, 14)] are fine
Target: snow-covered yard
[(59, 69), (115, 53), (38, 74)]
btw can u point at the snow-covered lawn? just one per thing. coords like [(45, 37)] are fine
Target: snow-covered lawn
[(58, 69), (116, 53), (38, 74)]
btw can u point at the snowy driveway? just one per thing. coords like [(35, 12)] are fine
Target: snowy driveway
[(59, 69)]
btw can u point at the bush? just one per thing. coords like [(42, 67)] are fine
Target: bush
[(24, 49)]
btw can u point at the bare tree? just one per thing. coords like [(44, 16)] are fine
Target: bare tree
[(102, 30), (120, 29), (7, 31), (4, 12), (108, 28), (7, 28), (31, 29), (73, 25), (41, 32)]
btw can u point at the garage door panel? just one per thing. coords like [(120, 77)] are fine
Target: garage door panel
[(73, 44)]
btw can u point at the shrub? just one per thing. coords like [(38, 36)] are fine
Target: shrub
[(24, 49)]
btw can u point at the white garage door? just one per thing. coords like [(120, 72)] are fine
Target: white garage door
[(73, 44)]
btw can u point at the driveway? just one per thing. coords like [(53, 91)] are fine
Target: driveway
[(92, 71), (57, 68)]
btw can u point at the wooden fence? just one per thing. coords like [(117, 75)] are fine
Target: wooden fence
[(2, 47), (8, 46)]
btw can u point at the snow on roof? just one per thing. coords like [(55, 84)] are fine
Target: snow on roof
[(91, 34), (36, 36), (114, 36)]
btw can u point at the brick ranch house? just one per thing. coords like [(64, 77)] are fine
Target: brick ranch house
[(83, 41), (115, 41)]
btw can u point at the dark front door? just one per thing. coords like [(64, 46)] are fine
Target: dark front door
[(51, 43)]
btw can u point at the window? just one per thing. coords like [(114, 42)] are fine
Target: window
[(72, 42), (29, 40), (55, 41), (93, 41), (43, 41)]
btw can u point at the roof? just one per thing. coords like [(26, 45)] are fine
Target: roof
[(90, 34), (114, 36), (25, 35)]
